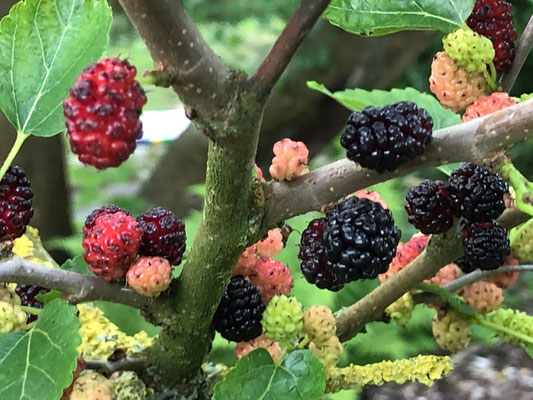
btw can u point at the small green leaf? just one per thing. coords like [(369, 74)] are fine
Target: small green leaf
[(299, 377), (447, 169), (47, 297), (38, 364), (77, 264), (357, 99), (382, 17), (44, 45)]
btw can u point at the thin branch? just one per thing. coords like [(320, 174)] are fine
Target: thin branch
[(126, 364), (181, 55), (436, 300), (479, 275), (475, 140), (76, 288), (441, 250), (522, 51), (301, 22)]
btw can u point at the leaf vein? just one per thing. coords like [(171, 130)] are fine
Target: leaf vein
[(47, 75)]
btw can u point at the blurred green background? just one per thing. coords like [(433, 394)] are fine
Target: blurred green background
[(242, 32)]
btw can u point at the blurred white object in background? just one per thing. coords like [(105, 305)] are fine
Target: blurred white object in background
[(163, 126)]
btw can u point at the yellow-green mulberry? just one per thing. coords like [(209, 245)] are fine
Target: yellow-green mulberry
[(283, 319), (319, 324), (12, 318), (514, 320), (468, 49), (451, 332), (521, 239), (128, 386), (329, 353), (401, 310), (92, 386), (100, 337)]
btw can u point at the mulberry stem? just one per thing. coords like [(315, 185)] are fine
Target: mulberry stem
[(21, 137), (521, 185), (31, 310), (497, 327)]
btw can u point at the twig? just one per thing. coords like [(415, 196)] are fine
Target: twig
[(126, 364), (181, 55), (471, 141), (301, 22), (478, 275), (522, 51), (441, 250), (76, 288)]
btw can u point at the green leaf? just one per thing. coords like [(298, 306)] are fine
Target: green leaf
[(77, 264), (44, 45), (447, 169), (299, 377), (47, 297), (38, 364), (382, 17), (357, 99)]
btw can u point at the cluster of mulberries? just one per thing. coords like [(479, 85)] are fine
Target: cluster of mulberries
[(116, 245), (356, 240), (462, 74), (474, 194), (263, 280), (255, 264)]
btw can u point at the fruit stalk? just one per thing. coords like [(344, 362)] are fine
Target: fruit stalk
[(19, 141)]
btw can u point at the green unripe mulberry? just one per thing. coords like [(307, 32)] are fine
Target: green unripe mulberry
[(283, 319), (521, 239), (128, 386), (514, 320), (451, 332), (468, 49), (12, 318)]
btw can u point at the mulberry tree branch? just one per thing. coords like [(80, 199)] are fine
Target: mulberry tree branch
[(182, 57), (479, 275), (76, 288), (475, 140), (522, 51), (109, 367), (301, 22), (440, 250)]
